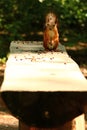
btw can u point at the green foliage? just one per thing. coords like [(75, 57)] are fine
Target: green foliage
[(23, 19)]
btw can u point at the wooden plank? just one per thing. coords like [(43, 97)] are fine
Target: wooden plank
[(28, 63)]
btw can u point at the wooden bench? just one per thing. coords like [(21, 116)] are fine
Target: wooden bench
[(44, 90)]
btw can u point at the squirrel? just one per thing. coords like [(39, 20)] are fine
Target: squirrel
[(50, 34)]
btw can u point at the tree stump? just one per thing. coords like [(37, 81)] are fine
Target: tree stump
[(76, 124)]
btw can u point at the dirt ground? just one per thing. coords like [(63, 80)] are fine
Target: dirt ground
[(7, 121)]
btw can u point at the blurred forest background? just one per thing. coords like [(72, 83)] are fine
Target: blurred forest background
[(24, 20)]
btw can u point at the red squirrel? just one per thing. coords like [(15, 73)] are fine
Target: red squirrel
[(51, 35)]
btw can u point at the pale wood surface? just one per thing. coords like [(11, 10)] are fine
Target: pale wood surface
[(29, 65)]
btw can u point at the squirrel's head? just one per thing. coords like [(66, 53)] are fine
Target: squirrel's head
[(51, 21)]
